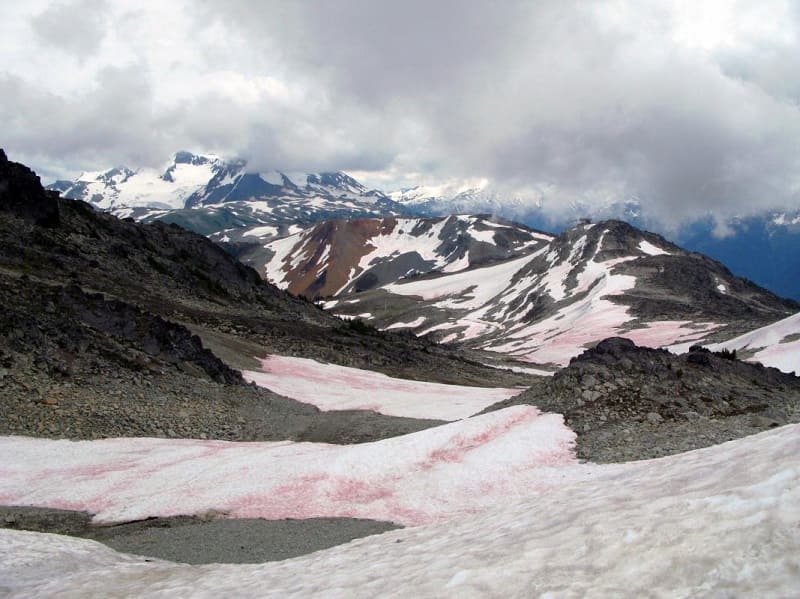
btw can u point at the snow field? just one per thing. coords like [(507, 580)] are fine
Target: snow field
[(716, 522), (776, 345), (333, 387), (479, 285), (414, 479)]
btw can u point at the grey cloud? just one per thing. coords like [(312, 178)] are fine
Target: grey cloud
[(110, 124), (542, 94), (548, 96), (76, 26)]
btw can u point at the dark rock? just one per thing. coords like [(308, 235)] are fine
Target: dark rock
[(21, 194), (628, 402)]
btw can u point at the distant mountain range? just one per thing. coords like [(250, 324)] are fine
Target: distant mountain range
[(227, 202), (210, 196)]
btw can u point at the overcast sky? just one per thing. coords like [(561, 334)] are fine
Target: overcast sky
[(686, 105)]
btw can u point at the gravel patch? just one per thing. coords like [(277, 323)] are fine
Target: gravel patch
[(200, 541)]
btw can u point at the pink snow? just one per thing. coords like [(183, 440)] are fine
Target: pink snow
[(665, 332), (776, 345), (557, 341), (716, 522), (333, 387), (424, 477)]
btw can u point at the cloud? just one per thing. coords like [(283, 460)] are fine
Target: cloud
[(589, 102), (76, 26), (689, 107)]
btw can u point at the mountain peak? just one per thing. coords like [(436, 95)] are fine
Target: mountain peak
[(184, 157)]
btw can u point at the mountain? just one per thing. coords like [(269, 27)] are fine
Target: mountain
[(592, 281), (112, 327), (123, 188), (764, 248), (139, 332), (470, 197), (210, 195), (224, 200), (336, 257)]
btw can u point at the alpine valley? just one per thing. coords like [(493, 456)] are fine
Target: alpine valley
[(200, 364)]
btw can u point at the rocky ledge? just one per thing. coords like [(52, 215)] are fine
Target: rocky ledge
[(627, 402)]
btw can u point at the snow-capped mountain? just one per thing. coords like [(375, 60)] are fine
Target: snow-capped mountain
[(167, 188), (222, 199), (591, 282), (338, 256), (210, 195)]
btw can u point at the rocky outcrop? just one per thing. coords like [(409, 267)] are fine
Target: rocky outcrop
[(629, 402), (21, 194)]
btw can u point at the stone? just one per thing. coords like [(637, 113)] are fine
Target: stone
[(654, 418)]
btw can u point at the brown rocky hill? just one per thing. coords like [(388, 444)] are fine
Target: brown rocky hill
[(341, 256)]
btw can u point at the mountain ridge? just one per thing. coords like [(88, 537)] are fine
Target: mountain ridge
[(592, 281), (215, 201)]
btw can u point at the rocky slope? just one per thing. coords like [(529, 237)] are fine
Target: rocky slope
[(628, 402), (336, 257), (107, 323)]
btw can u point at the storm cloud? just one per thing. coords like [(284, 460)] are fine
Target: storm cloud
[(689, 109)]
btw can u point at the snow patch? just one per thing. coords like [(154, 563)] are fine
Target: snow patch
[(333, 387), (424, 477), (652, 250), (406, 325), (776, 345)]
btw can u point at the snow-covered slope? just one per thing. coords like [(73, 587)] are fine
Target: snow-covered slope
[(355, 389), (776, 345), (717, 522), (592, 282), (432, 475), (335, 257)]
